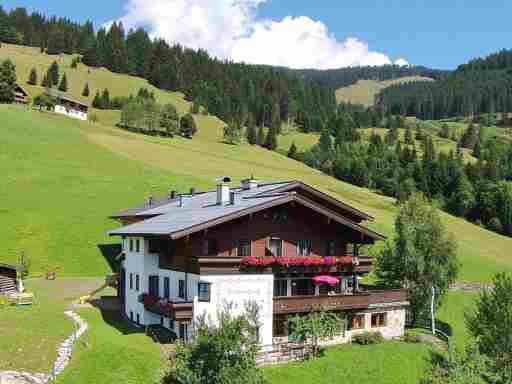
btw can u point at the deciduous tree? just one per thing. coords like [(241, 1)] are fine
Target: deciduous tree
[(421, 256)]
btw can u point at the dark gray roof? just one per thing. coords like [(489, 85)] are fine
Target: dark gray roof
[(201, 211), (199, 200)]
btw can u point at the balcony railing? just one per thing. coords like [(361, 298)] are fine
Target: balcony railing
[(303, 304), (168, 308)]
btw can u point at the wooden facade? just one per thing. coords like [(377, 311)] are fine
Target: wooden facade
[(289, 223)]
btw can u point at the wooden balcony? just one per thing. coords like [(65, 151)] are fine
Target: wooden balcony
[(229, 264), (167, 308), (303, 304)]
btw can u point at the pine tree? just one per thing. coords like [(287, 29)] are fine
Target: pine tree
[(252, 136), (261, 137), (292, 152), (408, 135), (46, 82), (53, 73), (32, 78), (86, 91), (105, 99), (63, 86), (7, 81), (271, 139), (96, 102)]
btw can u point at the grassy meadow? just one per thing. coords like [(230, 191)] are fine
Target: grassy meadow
[(68, 176), (387, 363), (364, 91)]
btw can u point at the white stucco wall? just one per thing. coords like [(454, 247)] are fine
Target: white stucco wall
[(71, 112), (145, 264), (238, 290)]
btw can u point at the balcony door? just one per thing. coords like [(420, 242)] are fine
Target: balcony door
[(153, 285)]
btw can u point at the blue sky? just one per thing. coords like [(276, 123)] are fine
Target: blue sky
[(435, 33)]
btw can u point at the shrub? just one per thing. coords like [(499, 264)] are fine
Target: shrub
[(368, 338), (411, 336)]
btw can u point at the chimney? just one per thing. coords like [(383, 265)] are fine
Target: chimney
[(222, 194), (192, 191), (232, 198), (249, 184), (172, 195), (150, 201), (182, 200)]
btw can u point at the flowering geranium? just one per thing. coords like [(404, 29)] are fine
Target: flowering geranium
[(284, 261)]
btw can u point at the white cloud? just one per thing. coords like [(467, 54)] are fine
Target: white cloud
[(401, 62), (230, 29)]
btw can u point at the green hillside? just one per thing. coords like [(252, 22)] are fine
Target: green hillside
[(62, 178), (364, 91)]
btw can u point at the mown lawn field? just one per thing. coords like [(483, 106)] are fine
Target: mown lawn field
[(387, 363), (29, 335), (112, 352)]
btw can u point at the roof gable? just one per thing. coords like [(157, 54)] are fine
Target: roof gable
[(188, 221)]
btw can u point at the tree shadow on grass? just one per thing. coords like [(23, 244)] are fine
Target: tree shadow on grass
[(110, 252), (115, 319)]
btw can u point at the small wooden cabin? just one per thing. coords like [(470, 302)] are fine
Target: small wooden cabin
[(7, 278), (20, 95)]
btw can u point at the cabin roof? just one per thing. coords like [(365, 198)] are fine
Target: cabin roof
[(191, 213), (66, 98)]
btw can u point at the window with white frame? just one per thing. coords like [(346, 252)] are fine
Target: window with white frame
[(131, 245), (275, 247), (204, 292), (181, 289), (137, 245), (243, 248), (280, 288), (304, 247)]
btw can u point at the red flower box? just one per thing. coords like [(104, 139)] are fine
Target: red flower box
[(284, 261)]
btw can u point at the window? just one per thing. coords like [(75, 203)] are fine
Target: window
[(162, 321), (131, 280), (303, 287), (275, 247), (181, 289), (131, 245), (137, 245), (304, 248), (210, 247), (378, 320), (183, 331), (330, 248), (167, 288), (204, 292), (155, 245), (138, 318), (154, 286), (137, 282), (171, 324), (280, 288), (131, 315), (356, 322), (243, 248)]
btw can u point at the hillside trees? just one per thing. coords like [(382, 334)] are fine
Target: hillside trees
[(86, 91), (233, 133), (63, 86), (421, 256), (491, 325), (188, 127), (227, 90), (32, 77), (7, 81), (53, 73)]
